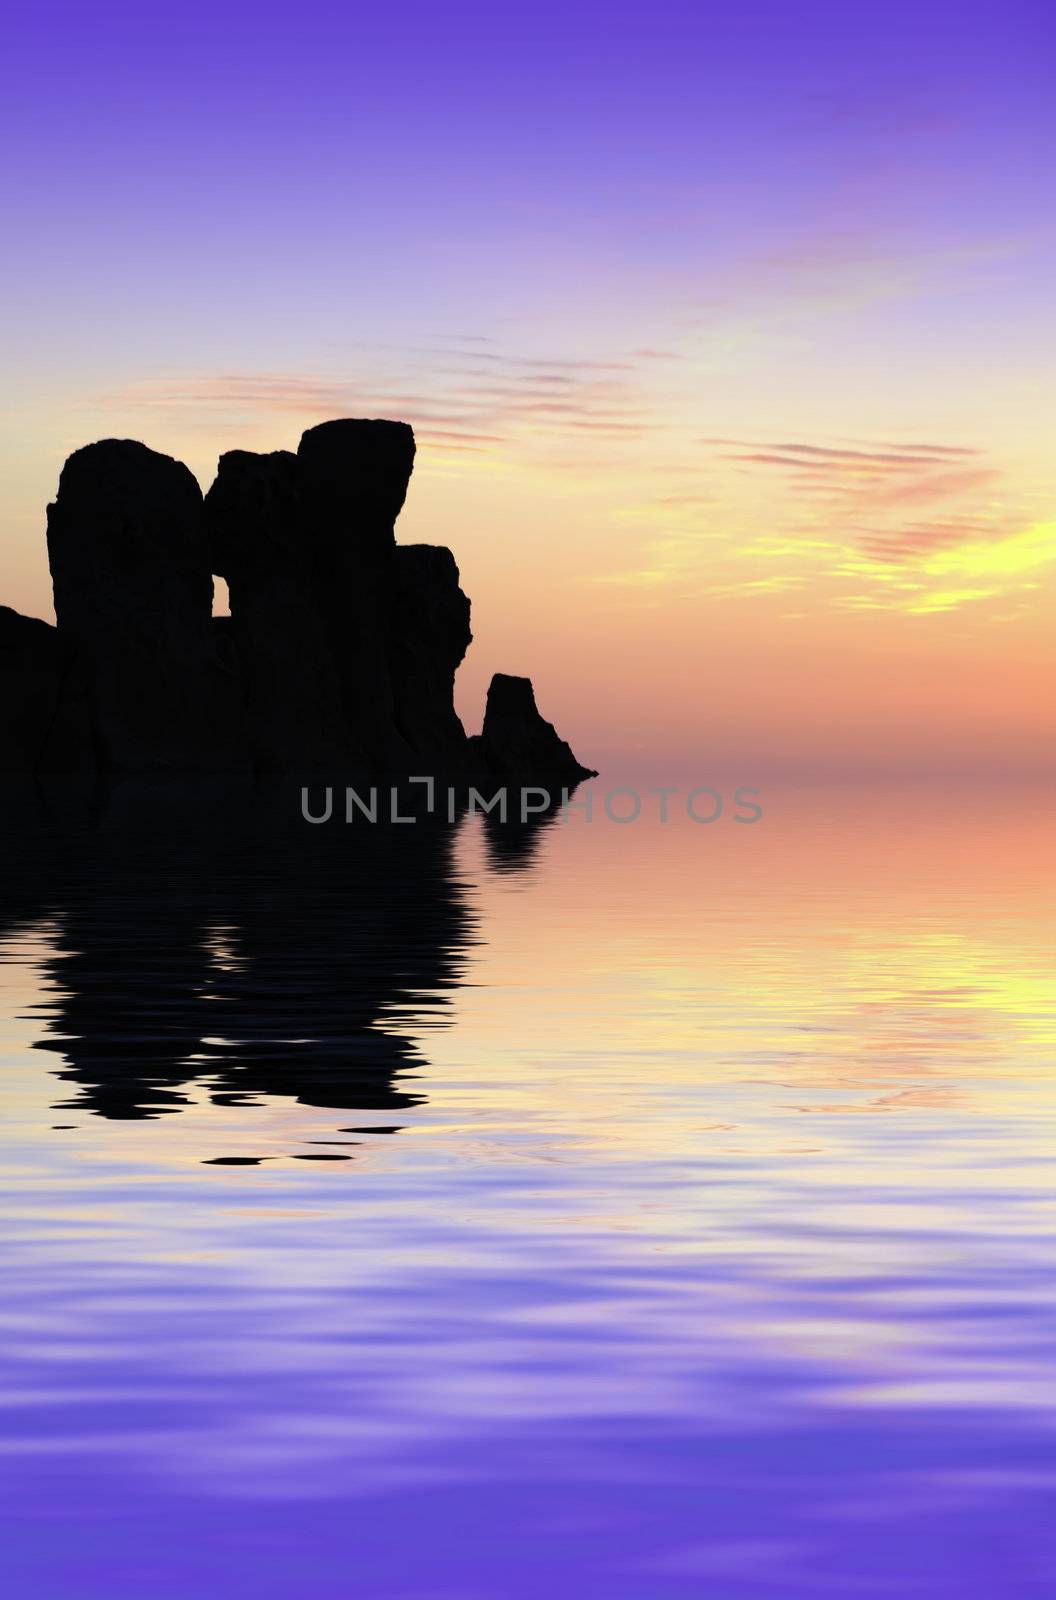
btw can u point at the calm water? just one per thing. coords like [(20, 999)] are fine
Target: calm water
[(633, 1212)]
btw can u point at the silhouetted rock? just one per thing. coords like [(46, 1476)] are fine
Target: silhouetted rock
[(133, 598), (430, 637), (355, 473), (44, 724), (353, 477), (348, 644), (339, 654), (517, 742), (262, 544)]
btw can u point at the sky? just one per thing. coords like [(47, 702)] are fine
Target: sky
[(726, 334)]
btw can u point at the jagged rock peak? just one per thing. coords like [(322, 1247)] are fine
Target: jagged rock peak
[(517, 741)]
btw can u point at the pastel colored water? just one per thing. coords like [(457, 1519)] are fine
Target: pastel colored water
[(678, 1217)]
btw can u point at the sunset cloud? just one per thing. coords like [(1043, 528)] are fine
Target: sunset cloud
[(469, 398)]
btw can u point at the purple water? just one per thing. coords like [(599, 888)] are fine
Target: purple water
[(639, 1212)]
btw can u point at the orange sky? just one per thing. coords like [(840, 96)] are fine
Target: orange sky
[(757, 600)]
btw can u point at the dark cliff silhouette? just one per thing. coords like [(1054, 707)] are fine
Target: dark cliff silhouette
[(339, 654)]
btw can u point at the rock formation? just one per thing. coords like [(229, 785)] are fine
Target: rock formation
[(425, 652), (354, 476), (256, 527), (339, 654), (517, 742), (347, 643), (133, 601)]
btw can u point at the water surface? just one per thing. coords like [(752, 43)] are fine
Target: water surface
[(472, 1214)]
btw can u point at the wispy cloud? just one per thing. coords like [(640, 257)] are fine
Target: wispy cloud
[(916, 540), (859, 493), (922, 526), (840, 458), (843, 524), (458, 396)]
